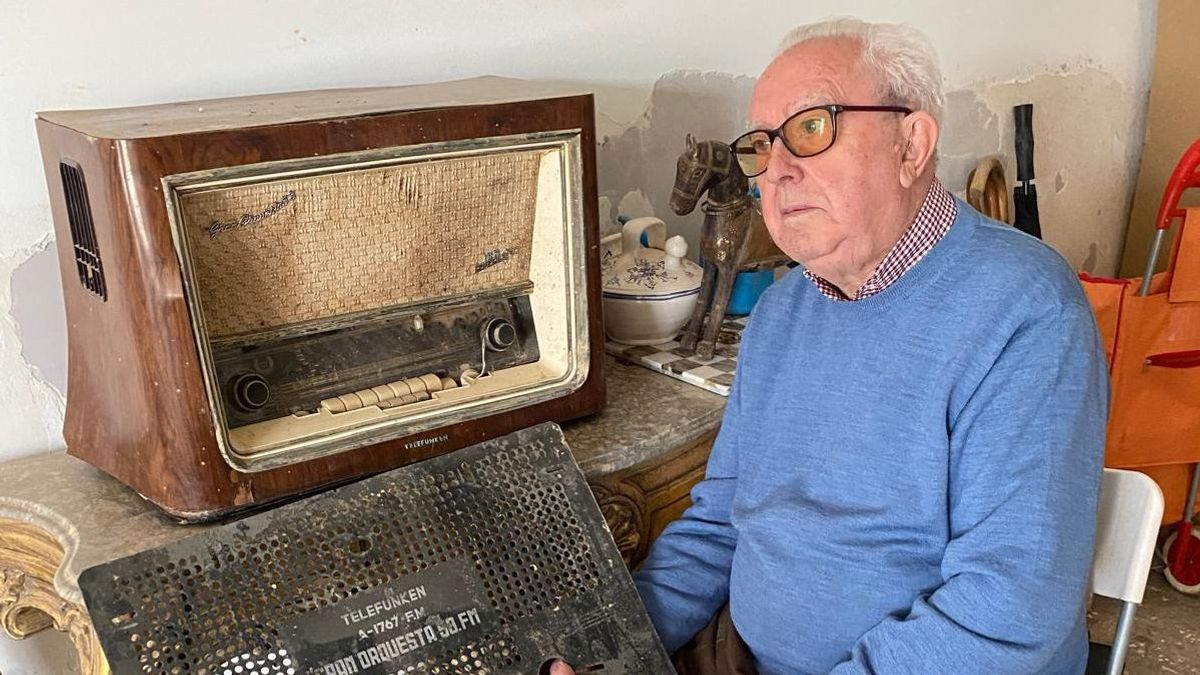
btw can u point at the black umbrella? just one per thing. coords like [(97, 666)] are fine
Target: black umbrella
[(1025, 192)]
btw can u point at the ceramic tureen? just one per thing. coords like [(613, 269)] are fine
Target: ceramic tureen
[(649, 291)]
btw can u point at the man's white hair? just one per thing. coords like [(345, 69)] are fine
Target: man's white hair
[(902, 55)]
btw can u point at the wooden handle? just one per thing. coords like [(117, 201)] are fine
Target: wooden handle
[(987, 189)]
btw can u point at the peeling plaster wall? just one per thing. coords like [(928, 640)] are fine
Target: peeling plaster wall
[(31, 417), (637, 164), (659, 70), (1086, 153)]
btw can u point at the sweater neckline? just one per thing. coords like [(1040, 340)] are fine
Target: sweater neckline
[(931, 266)]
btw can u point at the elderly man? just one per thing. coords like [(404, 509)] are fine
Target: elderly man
[(907, 474)]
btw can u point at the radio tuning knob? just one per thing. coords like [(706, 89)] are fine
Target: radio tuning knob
[(499, 334), (251, 392)]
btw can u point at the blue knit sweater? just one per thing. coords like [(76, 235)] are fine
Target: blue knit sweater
[(906, 483)]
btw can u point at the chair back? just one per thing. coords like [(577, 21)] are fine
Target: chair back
[(1127, 525)]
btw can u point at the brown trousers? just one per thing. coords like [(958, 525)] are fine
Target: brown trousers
[(716, 650)]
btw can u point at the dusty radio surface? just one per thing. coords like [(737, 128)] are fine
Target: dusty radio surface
[(492, 559), (267, 295)]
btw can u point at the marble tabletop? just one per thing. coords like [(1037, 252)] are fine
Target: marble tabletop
[(647, 414), (97, 519)]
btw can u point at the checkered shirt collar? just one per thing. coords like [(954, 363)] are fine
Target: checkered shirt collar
[(933, 221)]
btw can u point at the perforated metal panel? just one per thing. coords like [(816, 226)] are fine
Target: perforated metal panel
[(491, 559)]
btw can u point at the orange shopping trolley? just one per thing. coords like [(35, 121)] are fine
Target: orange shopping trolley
[(1150, 327)]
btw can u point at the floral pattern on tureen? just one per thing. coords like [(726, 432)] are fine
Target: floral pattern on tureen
[(644, 273)]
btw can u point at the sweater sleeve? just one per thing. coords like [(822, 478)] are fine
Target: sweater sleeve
[(1026, 451), (685, 578)]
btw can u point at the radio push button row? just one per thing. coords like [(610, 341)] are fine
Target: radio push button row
[(499, 334), (391, 395), (251, 392)]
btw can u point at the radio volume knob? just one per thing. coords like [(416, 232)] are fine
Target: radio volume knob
[(251, 392), (499, 334)]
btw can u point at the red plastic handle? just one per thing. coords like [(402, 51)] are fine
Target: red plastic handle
[(1188, 359), (1186, 175)]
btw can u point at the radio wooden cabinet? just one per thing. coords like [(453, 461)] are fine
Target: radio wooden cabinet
[(272, 294)]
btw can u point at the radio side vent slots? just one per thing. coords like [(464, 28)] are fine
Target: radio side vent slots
[(83, 234)]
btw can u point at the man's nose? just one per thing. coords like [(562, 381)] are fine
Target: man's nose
[(782, 165)]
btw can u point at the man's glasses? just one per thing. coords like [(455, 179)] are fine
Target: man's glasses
[(809, 132)]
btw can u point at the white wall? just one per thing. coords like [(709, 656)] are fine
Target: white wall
[(659, 69)]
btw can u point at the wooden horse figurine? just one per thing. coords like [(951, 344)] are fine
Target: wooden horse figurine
[(734, 237)]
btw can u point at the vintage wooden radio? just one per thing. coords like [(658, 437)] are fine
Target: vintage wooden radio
[(270, 294)]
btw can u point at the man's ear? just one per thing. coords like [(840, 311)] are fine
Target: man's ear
[(916, 157)]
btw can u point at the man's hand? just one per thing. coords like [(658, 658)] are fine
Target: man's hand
[(560, 668)]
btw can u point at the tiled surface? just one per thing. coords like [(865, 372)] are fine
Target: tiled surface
[(715, 374)]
